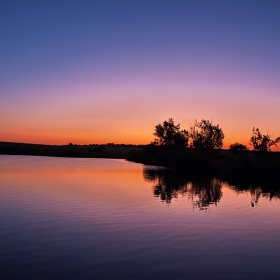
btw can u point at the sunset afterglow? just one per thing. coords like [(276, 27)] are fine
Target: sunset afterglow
[(109, 71)]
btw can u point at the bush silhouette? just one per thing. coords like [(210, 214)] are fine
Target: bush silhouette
[(238, 147), (262, 142)]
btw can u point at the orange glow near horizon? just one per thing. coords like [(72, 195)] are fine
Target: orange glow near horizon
[(132, 120), (86, 140)]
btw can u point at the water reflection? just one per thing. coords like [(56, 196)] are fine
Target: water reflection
[(268, 190), (168, 184), (96, 219), (203, 192)]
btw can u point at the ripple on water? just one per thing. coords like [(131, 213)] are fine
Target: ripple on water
[(99, 218)]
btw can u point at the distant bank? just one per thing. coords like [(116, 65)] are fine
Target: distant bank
[(109, 150)]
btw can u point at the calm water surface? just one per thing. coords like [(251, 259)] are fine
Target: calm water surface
[(63, 218)]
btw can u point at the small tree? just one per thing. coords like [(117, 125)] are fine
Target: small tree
[(168, 134), (205, 135), (237, 147), (262, 142)]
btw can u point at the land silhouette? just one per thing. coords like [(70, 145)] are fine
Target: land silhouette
[(109, 150), (197, 152)]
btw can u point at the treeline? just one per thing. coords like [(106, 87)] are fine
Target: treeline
[(199, 152), (206, 135)]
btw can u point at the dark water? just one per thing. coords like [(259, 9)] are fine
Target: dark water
[(111, 219)]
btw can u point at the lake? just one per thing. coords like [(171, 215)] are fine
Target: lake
[(69, 218)]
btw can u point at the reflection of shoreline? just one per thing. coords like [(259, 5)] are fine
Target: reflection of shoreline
[(203, 192)]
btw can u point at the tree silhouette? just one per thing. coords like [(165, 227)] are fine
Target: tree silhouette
[(262, 142), (205, 135), (168, 134)]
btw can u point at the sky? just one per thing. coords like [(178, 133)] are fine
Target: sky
[(109, 71)]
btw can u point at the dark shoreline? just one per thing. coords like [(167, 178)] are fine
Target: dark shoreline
[(224, 164), (240, 165), (120, 151)]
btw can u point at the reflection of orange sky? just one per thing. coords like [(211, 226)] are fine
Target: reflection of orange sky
[(113, 191), (88, 184), (121, 188), (95, 206)]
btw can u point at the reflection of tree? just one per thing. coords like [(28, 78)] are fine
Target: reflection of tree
[(169, 184), (255, 195), (265, 189), (205, 193)]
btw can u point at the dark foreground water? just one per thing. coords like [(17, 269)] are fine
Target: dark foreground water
[(111, 219)]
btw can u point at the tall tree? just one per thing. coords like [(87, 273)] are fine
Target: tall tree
[(206, 135), (168, 134)]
